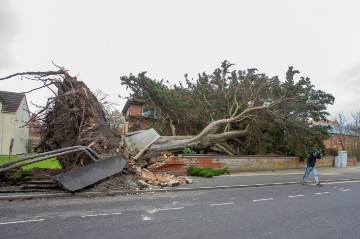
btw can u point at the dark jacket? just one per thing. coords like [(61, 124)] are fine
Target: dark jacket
[(311, 159)]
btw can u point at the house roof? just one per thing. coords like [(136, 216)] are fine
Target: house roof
[(11, 101), (130, 102)]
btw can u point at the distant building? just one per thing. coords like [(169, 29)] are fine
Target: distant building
[(340, 139), (14, 114), (140, 116)]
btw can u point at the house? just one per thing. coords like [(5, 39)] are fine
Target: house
[(14, 114), (340, 139), (138, 116)]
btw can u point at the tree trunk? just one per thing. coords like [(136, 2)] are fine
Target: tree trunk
[(193, 142)]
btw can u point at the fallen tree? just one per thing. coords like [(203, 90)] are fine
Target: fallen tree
[(207, 138), (234, 112), (72, 117)]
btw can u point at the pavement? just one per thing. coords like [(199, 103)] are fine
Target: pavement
[(233, 180)]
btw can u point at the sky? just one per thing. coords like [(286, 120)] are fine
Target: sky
[(100, 41)]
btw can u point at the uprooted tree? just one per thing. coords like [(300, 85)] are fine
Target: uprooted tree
[(235, 111), (72, 117)]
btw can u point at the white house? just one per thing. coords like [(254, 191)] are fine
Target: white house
[(14, 113)]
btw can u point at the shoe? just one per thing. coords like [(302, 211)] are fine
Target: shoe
[(303, 183), (319, 185)]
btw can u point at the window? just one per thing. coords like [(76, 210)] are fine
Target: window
[(148, 111)]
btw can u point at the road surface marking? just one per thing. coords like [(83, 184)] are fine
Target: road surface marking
[(321, 193), (165, 209), (295, 196), (220, 204), (173, 208), (342, 182), (146, 218), (346, 190), (38, 220), (264, 199), (102, 214)]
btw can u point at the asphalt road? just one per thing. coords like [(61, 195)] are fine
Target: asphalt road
[(286, 211)]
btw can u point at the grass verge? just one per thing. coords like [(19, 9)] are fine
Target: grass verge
[(51, 163)]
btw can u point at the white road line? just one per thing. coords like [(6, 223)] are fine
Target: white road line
[(102, 214), (5, 223), (165, 209), (220, 204), (321, 193), (296, 196), (146, 218), (346, 190), (173, 208), (264, 199)]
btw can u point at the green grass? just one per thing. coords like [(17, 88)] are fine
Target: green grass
[(207, 172), (51, 163)]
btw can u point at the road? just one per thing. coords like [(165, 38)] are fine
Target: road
[(286, 211)]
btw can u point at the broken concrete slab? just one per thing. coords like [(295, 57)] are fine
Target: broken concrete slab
[(85, 176)]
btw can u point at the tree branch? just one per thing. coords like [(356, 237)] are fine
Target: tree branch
[(40, 73)]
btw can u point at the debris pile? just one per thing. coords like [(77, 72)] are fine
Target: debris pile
[(149, 179)]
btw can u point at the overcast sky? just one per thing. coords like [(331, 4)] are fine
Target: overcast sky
[(103, 40)]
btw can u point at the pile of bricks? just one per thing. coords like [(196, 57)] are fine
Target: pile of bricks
[(149, 179)]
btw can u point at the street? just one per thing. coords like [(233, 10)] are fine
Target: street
[(286, 211)]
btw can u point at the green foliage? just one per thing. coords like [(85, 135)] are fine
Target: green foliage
[(225, 93), (158, 127), (207, 172), (188, 151)]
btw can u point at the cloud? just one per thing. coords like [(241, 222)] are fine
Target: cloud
[(9, 28), (353, 76), (348, 80)]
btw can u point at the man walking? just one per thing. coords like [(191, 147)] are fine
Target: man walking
[(310, 167)]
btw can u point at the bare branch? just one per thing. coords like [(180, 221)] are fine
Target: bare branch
[(39, 73)]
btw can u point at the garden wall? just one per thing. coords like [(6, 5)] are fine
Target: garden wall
[(179, 165)]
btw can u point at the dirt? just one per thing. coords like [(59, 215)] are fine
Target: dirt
[(76, 118), (118, 182), (43, 173)]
